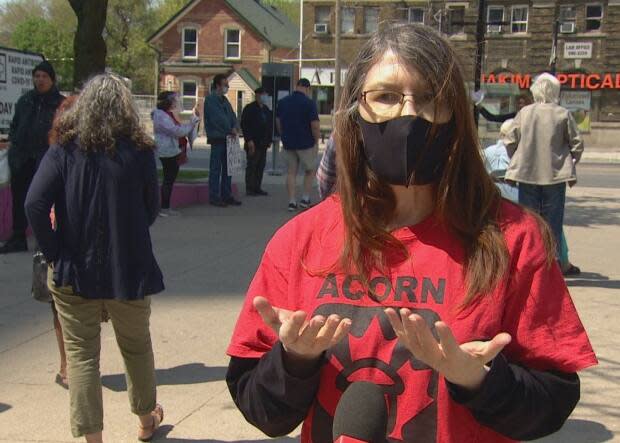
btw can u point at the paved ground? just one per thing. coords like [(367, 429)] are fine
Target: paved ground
[(208, 256)]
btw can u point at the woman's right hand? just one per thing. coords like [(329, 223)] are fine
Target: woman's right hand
[(302, 340)]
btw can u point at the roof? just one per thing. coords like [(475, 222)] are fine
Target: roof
[(248, 78), (268, 21)]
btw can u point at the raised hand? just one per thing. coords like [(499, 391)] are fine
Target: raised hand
[(463, 365), (302, 339)]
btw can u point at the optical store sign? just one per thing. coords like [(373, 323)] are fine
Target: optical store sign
[(589, 82)]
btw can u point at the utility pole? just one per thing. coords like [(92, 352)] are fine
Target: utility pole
[(337, 56), (301, 33), (480, 46), (554, 48)]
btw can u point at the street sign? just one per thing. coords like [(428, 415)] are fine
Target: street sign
[(574, 100), (577, 50), (15, 80)]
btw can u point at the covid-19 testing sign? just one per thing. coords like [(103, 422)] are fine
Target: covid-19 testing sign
[(15, 80)]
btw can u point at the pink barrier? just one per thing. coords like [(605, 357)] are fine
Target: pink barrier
[(183, 195)]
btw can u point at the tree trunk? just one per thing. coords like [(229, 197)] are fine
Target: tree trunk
[(89, 45)]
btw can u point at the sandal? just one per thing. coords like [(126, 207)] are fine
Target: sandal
[(572, 270), (62, 381), (146, 434)]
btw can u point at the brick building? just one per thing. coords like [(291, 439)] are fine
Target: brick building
[(209, 37), (518, 46)]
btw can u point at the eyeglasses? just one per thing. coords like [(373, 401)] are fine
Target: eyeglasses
[(389, 104)]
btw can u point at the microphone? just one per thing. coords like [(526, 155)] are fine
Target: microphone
[(361, 415)]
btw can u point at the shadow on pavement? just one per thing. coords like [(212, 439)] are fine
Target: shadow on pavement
[(189, 374), (580, 431), (588, 211), (4, 407), (592, 280), (166, 429)]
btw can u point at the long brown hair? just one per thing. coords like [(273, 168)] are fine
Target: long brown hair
[(467, 200), (103, 113)]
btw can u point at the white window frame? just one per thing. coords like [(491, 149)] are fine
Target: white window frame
[(449, 20), (183, 42), (497, 30), (184, 97), (227, 43), (366, 9), (409, 14), (600, 19), (519, 22), (562, 19), (328, 8), (343, 8)]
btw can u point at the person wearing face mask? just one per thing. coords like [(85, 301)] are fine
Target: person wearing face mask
[(34, 114), (298, 123), (220, 122), (415, 276), (257, 127), (171, 140)]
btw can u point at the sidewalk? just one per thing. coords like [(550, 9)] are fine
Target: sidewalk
[(208, 256), (591, 154)]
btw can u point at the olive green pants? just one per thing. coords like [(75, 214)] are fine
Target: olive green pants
[(80, 319)]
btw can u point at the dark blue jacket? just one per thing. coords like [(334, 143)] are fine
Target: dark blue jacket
[(104, 206), (34, 114)]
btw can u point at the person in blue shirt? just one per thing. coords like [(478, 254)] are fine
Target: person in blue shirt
[(298, 124), (220, 122)]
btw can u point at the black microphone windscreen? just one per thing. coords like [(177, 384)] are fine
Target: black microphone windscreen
[(361, 413)]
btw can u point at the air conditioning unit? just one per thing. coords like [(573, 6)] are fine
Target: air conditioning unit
[(567, 28), (320, 28)]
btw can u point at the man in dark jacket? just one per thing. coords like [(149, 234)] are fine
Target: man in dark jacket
[(28, 135), (257, 127)]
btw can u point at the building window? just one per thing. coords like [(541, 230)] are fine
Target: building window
[(321, 15), (415, 15), (347, 21), (233, 44), (189, 95), (456, 20), (371, 20), (495, 17), (518, 19), (190, 43), (594, 16)]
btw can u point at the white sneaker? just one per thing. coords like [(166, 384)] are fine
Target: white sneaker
[(168, 213)]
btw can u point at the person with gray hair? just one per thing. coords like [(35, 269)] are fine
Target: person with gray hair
[(545, 146), (101, 178)]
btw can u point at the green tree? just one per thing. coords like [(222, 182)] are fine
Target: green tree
[(13, 12), (127, 27), (37, 34)]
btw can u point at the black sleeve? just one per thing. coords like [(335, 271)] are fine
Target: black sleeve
[(268, 396), (42, 194), (245, 124), (521, 403), (151, 187), (497, 118)]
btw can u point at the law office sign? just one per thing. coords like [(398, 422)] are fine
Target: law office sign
[(577, 50)]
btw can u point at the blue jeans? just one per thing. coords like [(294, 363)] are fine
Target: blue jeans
[(548, 201), (220, 184)]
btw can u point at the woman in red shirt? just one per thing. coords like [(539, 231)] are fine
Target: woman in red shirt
[(415, 276)]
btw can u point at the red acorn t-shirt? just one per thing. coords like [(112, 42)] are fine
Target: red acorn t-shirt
[(532, 305)]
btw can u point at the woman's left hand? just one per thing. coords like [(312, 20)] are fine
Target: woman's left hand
[(463, 365)]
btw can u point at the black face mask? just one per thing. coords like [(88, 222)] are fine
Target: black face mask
[(399, 148)]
